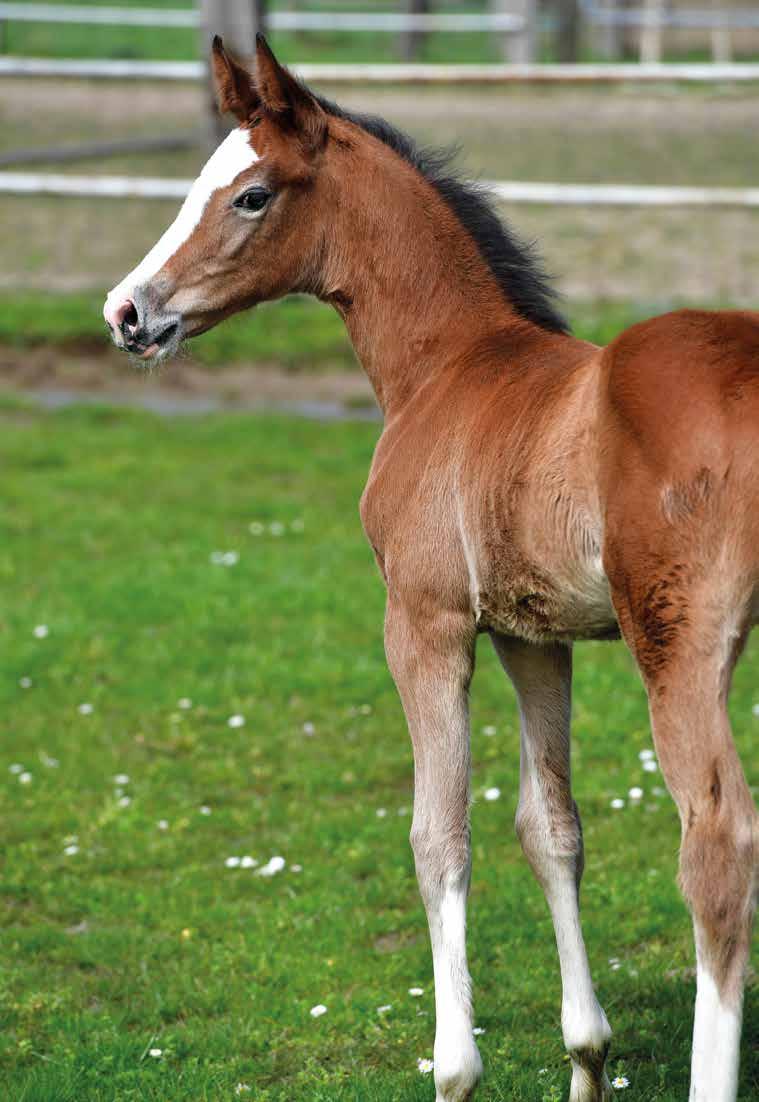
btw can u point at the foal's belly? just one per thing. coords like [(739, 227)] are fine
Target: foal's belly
[(520, 598)]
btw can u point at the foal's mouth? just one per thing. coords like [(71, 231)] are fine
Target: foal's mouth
[(146, 348), (161, 345)]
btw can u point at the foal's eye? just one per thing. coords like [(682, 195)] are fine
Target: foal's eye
[(253, 200)]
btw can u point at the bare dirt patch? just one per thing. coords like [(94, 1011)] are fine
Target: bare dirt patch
[(59, 376)]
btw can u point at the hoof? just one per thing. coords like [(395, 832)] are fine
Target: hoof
[(590, 1083), (457, 1073)]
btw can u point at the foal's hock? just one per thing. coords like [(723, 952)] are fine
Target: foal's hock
[(526, 484)]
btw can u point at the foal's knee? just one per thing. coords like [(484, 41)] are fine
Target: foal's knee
[(441, 855)]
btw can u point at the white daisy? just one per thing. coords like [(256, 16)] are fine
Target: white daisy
[(650, 766), (121, 778), (41, 631), (232, 862), (205, 809), (163, 824), (617, 804), (492, 794), (635, 793), (25, 778), (156, 1053), (124, 801), (478, 1031), (488, 730), (16, 768), (620, 1083), (236, 721), (385, 1009), (272, 866), (416, 992), (248, 862), (85, 709), (25, 682), (381, 812), (318, 1010), (184, 703), (646, 755), (425, 1066), (296, 868), (309, 729), (242, 1088), (71, 849)]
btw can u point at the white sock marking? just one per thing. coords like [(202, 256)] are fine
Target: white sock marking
[(457, 1061), (716, 1044)]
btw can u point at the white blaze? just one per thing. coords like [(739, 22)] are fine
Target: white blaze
[(233, 156)]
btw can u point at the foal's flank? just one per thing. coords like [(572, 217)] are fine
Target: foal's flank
[(526, 485)]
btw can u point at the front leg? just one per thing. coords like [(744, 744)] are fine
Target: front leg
[(431, 659)]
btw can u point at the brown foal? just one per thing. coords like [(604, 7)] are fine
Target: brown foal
[(527, 485)]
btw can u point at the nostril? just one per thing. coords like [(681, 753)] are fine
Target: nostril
[(120, 313)]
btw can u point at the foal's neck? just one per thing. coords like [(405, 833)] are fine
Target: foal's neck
[(409, 281)]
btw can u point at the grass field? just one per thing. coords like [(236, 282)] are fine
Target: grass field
[(296, 333), (140, 937)]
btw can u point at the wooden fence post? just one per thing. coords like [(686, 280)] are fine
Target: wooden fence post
[(568, 31), (237, 21), (517, 48), (412, 42), (651, 33)]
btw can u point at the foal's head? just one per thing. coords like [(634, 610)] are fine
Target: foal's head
[(251, 227)]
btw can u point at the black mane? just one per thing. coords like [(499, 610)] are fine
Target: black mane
[(514, 263)]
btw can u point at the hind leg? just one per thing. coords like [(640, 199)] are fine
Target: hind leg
[(548, 825), (686, 637)]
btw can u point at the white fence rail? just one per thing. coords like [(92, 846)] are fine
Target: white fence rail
[(684, 18), (578, 195), (701, 73), (701, 19), (277, 20)]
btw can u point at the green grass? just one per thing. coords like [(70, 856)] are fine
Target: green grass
[(297, 333), (144, 938)]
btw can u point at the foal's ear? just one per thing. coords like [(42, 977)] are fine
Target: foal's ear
[(235, 86), (284, 98)]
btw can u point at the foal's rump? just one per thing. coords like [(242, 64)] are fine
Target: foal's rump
[(679, 467)]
